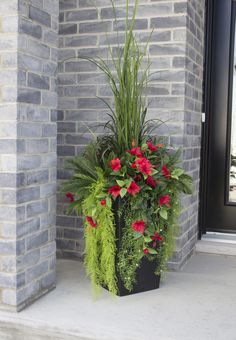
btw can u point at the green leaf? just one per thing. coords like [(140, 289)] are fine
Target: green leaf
[(123, 192), (93, 213), (147, 239), (163, 214), (120, 183), (152, 251), (128, 182), (177, 172), (109, 202), (137, 235)]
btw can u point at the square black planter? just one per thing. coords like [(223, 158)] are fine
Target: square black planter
[(145, 279)]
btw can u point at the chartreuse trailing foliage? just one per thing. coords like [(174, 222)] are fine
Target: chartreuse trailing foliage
[(100, 248)]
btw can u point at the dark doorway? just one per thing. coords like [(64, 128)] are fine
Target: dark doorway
[(218, 188)]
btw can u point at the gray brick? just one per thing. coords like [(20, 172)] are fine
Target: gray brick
[(28, 130), (80, 41), (40, 16), (67, 29), (169, 22), (49, 99), (7, 281), (140, 24), (95, 27), (47, 190), (29, 96), (39, 82), (28, 292), (81, 15), (180, 7), (27, 227), (37, 114), (28, 259), (48, 250), (30, 28), (37, 240), (80, 91), (79, 66), (36, 271), (66, 127), (49, 130), (36, 208), (67, 4), (48, 280), (38, 49), (66, 150), (37, 177), (28, 194), (167, 49), (8, 247), (7, 146), (37, 146), (29, 63)]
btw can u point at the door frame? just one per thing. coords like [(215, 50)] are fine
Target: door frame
[(205, 125), (206, 108)]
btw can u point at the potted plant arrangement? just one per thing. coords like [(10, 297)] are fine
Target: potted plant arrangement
[(126, 185)]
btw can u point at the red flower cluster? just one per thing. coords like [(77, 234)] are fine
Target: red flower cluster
[(156, 238), (145, 251), (70, 196), (152, 147), (115, 191), (151, 182), (144, 166), (133, 189), (164, 200), (139, 226), (165, 172), (115, 164), (135, 152), (91, 221)]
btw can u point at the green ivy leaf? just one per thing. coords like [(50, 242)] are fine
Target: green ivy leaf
[(120, 183), (147, 239), (163, 214), (137, 235), (127, 182), (152, 251), (123, 192)]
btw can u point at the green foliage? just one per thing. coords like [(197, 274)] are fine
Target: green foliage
[(131, 253), (100, 247), (128, 84)]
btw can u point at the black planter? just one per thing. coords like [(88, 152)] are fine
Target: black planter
[(145, 275)]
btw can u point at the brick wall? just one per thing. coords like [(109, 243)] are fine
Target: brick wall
[(28, 149), (176, 52)]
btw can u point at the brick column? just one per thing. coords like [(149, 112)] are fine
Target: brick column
[(176, 52), (28, 117)]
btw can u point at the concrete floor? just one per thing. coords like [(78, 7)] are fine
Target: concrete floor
[(198, 303)]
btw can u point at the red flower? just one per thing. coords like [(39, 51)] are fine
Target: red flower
[(145, 251), (91, 221), (164, 200), (165, 172), (70, 196), (134, 166), (137, 178), (144, 166), (157, 237), (136, 152), (103, 202), (151, 182), (151, 147), (115, 164), (138, 226), (115, 191), (133, 189)]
